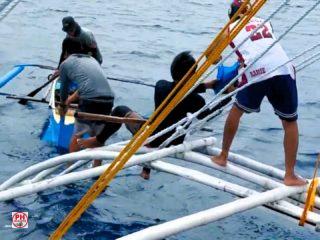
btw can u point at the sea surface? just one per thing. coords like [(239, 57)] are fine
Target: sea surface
[(138, 40)]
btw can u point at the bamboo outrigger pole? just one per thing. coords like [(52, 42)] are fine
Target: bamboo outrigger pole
[(212, 53)]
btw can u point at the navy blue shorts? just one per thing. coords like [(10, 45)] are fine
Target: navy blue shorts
[(281, 92)]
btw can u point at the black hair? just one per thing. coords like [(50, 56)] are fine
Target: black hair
[(181, 65), (72, 46), (232, 11)]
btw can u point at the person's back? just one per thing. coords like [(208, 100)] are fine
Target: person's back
[(258, 43), (279, 87), (86, 72), (190, 104), (89, 43)]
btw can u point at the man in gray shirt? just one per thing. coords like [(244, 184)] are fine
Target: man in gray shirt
[(93, 93), (83, 35)]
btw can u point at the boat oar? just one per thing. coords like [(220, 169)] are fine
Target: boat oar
[(27, 98), (34, 92), (107, 118), (10, 75)]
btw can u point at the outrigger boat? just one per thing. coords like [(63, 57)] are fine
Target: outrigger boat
[(59, 130), (269, 190)]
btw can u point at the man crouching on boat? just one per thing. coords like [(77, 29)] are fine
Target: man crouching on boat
[(94, 93), (279, 86), (190, 104)]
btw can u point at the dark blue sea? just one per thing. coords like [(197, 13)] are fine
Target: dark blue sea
[(138, 40)]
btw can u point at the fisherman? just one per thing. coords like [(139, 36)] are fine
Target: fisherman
[(94, 93), (279, 87), (85, 36), (192, 103)]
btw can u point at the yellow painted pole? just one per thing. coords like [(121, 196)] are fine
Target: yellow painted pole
[(220, 43), (311, 194)]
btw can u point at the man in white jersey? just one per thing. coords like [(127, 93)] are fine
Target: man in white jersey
[(279, 87)]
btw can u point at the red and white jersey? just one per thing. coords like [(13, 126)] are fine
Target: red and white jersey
[(256, 45)]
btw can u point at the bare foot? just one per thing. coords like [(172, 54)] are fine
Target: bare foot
[(96, 163), (220, 160), (294, 181), (88, 143), (145, 173)]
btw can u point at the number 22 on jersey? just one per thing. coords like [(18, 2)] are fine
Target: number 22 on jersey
[(263, 32)]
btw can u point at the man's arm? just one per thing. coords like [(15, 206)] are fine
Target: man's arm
[(64, 80), (73, 98), (204, 86), (62, 56)]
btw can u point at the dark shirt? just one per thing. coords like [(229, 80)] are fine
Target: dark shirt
[(88, 42), (192, 103)]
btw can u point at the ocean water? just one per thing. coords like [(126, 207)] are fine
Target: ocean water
[(138, 40)]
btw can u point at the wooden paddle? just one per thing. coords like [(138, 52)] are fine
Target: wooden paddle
[(27, 98), (107, 118), (34, 92)]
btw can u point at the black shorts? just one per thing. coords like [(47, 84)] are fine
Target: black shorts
[(281, 92), (98, 105)]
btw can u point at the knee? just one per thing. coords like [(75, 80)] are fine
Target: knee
[(120, 111), (236, 112), (289, 124)]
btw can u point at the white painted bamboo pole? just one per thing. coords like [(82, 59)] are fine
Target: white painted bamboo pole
[(93, 172), (44, 174), (74, 166), (173, 227), (252, 164), (118, 148), (93, 154), (72, 157), (240, 191), (241, 173), (249, 163), (78, 164)]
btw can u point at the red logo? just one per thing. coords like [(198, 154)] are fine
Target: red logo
[(19, 219)]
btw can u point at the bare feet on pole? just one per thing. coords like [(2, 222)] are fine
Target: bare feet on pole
[(96, 163), (145, 173), (220, 160), (293, 180), (88, 143)]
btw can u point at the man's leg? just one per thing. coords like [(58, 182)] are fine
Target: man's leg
[(283, 96), (107, 131), (133, 128), (290, 142), (230, 130), (73, 146), (79, 130)]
